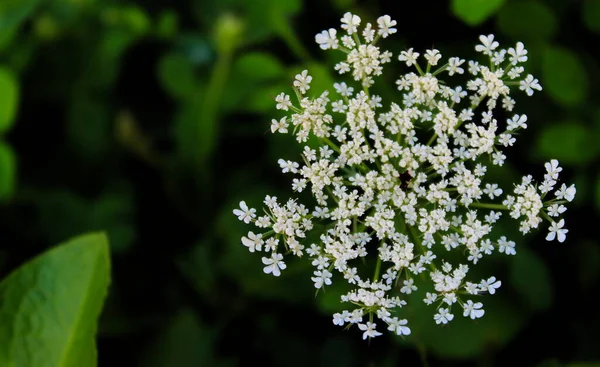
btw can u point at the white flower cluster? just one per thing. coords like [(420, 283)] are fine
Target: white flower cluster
[(399, 186)]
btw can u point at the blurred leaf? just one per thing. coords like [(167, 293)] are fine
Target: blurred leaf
[(12, 13), (167, 24), (89, 128), (463, 338), (195, 47), (569, 141), (46, 27), (136, 19), (329, 300), (9, 98), (8, 171), (258, 66), (531, 278), (475, 12), (197, 266), (49, 307), (338, 352), (255, 81), (590, 13), (185, 342), (563, 76), (63, 214), (587, 256), (527, 20), (263, 100), (176, 74)]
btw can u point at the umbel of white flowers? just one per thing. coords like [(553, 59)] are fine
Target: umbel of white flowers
[(406, 179)]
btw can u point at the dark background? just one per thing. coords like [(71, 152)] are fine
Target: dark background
[(149, 120)]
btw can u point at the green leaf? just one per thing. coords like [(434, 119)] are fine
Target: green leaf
[(258, 66), (475, 12), (13, 12), (9, 98), (563, 76), (531, 279), (176, 74), (569, 141), (527, 20), (49, 307), (7, 171), (590, 13)]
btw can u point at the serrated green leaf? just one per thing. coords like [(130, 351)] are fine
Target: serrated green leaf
[(474, 12), (49, 307), (527, 20), (9, 98), (531, 278), (570, 142), (176, 74), (8, 171), (563, 76), (590, 13)]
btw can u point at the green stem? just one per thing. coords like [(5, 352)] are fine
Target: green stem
[(377, 269), (488, 206)]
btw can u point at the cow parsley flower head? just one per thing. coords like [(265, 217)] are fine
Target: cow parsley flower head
[(401, 185)]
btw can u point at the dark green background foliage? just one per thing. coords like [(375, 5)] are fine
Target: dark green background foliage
[(148, 120)]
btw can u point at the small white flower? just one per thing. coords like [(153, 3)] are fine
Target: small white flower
[(327, 39), (473, 310), (343, 89), (408, 287), (432, 56), (529, 84), (410, 57), (350, 22), (338, 319), (279, 126), (454, 64), (386, 26), (557, 231), (487, 44), (283, 102), (302, 81), (274, 265), (553, 169), (245, 214), (566, 193), (443, 316), (322, 277), (490, 285), (254, 242), (398, 326), (517, 54), (369, 330)]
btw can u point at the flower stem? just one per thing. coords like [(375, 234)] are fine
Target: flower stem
[(488, 206)]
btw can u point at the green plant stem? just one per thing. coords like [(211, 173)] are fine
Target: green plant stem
[(488, 206)]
